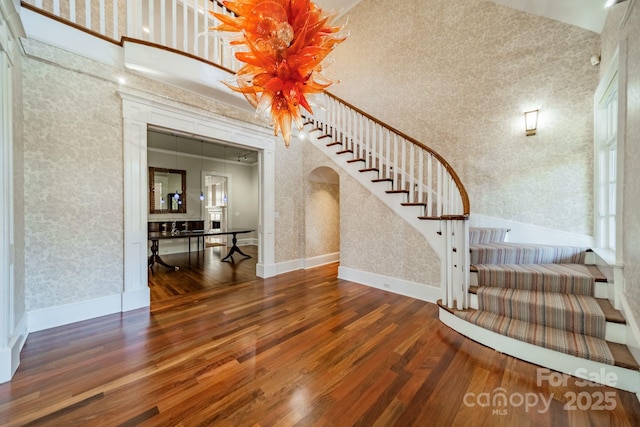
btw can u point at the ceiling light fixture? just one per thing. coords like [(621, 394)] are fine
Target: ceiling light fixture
[(610, 3)]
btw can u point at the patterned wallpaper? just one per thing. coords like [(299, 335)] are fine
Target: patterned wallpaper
[(611, 36), (458, 77), (73, 202)]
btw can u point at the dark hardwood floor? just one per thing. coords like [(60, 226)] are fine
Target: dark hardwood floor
[(299, 349)]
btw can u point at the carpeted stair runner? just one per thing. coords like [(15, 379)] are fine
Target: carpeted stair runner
[(521, 253), (575, 313), (539, 294), (563, 278), (579, 345)]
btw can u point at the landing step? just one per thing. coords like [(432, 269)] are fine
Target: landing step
[(622, 357), (624, 374)]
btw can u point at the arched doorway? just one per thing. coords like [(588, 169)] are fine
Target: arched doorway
[(322, 217)]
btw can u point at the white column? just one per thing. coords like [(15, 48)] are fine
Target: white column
[(136, 292)]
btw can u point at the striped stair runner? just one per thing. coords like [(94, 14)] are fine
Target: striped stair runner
[(579, 345), (562, 278), (539, 294), (576, 313), (520, 253)]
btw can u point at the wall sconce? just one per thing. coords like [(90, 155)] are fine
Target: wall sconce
[(531, 122)]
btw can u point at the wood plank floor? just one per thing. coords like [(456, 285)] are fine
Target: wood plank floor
[(300, 349)]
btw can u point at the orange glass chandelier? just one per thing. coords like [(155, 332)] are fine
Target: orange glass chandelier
[(286, 41)]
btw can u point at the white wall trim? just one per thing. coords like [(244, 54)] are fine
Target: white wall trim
[(10, 355), (321, 260), (139, 298), (529, 233), (633, 329), (421, 291), (75, 312)]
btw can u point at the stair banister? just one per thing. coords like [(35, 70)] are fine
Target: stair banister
[(409, 166)]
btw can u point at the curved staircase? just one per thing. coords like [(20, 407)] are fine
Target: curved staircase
[(544, 304)]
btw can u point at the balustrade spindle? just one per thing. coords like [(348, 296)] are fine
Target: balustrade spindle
[(151, 36), (103, 22), (430, 185), (185, 27), (116, 21), (163, 23), (412, 179), (87, 14), (174, 24)]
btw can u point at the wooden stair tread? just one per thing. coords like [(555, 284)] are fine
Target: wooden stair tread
[(623, 356), (331, 144), (397, 191), (382, 180), (610, 313), (344, 152), (596, 273), (369, 170), (355, 160), (413, 204)]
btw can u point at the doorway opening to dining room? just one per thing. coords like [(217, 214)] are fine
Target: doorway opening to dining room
[(141, 114), (220, 195)]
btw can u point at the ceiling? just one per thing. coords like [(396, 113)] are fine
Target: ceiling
[(588, 14), (172, 141)]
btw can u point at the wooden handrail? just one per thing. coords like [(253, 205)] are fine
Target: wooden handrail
[(463, 192)]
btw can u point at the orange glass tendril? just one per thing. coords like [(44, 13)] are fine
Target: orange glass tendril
[(286, 41)]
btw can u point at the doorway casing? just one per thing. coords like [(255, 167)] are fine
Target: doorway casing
[(138, 114)]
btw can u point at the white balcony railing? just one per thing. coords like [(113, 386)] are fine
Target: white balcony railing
[(183, 25)]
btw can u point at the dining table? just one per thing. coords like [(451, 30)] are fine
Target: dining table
[(200, 235)]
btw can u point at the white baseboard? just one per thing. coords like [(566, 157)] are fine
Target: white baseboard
[(321, 260), (614, 376), (132, 300), (528, 233), (415, 290), (10, 356), (75, 312), (633, 330)]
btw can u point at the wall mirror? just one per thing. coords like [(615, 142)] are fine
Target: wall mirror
[(167, 190)]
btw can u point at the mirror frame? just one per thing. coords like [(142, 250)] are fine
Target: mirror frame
[(182, 208)]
